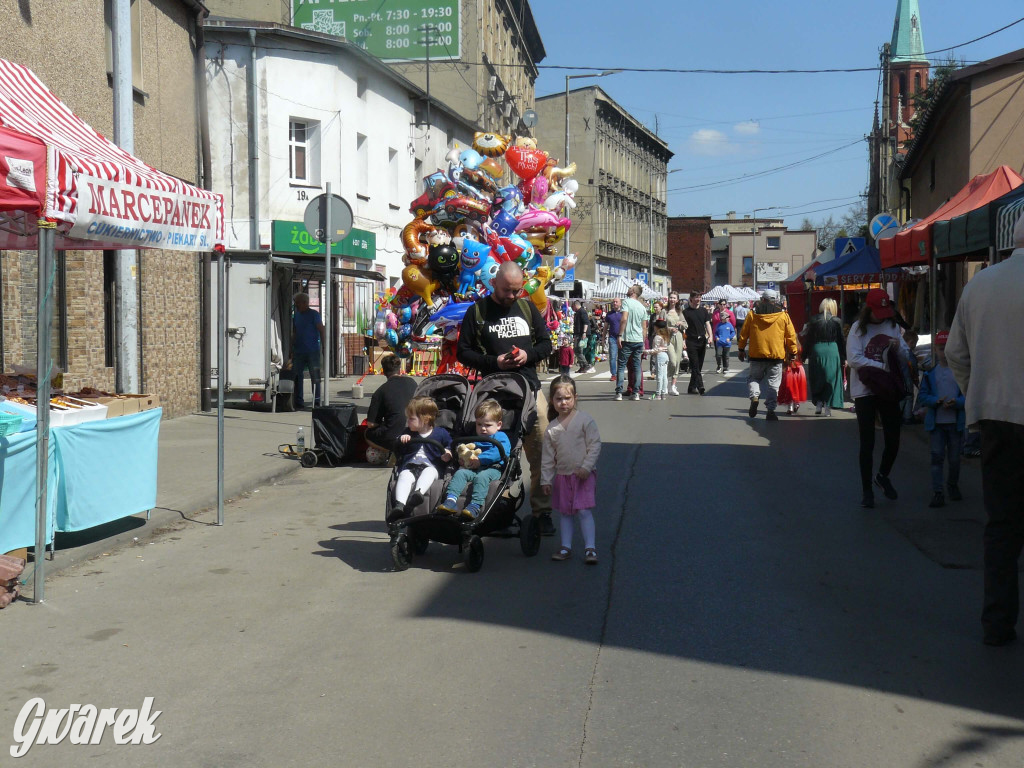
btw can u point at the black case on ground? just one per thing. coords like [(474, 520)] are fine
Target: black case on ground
[(334, 431)]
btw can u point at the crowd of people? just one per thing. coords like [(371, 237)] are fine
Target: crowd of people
[(971, 382)]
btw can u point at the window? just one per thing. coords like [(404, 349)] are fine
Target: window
[(304, 152), (917, 82), (362, 167), (748, 265), (136, 16), (774, 243)]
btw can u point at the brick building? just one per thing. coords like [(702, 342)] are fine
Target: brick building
[(689, 252), (75, 65)]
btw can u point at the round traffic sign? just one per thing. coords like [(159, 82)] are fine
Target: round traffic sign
[(315, 218), (881, 223)]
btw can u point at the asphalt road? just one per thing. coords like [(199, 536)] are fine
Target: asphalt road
[(745, 612)]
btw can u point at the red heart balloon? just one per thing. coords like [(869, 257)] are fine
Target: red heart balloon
[(526, 163)]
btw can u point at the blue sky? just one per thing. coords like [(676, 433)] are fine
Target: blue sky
[(721, 127)]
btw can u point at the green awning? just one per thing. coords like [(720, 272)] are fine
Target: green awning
[(970, 235)]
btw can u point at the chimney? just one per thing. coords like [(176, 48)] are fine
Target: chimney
[(731, 215)]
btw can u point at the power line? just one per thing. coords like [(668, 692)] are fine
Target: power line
[(994, 32)]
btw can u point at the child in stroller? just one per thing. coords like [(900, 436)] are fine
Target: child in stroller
[(482, 469), (423, 461), (425, 522)]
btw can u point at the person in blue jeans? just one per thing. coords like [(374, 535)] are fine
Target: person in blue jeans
[(307, 341), (613, 322), (481, 470), (945, 420), (633, 331)]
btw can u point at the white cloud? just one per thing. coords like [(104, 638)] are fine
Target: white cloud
[(709, 142), (748, 128)]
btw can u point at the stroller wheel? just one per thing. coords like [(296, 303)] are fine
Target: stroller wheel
[(473, 554), (529, 535), (419, 543), (401, 552), (308, 459)]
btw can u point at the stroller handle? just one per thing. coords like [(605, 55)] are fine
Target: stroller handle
[(482, 439), (424, 441)]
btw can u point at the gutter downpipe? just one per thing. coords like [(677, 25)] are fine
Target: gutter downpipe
[(206, 164)]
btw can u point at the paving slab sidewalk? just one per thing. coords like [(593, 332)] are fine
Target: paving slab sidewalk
[(187, 470)]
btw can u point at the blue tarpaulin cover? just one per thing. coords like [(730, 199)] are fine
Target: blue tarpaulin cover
[(862, 266), (18, 491), (106, 469)]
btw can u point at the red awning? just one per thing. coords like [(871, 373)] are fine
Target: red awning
[(99, 195), (914, 246)]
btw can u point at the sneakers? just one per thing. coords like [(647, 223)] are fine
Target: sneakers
[(827, 411), (673, 390), (618, 395), (635, 396), (591, 369), (752, 410), (547, 528), (885, 484), (613, 377), (868, 500), (471, 511), (414, 500), (954, 493), (938, 500), (701, 391), (796, 408), (718, 369), (770, 416), (450, 506), (817, 409)]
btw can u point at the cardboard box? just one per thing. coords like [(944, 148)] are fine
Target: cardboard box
[(146, 402), (115, 405)]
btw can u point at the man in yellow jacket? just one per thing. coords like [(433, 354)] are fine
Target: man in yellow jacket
[(773, 341)]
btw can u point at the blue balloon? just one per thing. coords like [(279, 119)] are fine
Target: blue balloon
[(405, 315), (451, 314), (392, 338), (405, 331)]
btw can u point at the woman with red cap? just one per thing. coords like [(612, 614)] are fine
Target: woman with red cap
[(876, 385)]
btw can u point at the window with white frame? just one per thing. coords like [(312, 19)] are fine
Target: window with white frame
[(304, 152), (774, 243)]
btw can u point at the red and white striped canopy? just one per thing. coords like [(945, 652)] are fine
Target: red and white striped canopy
[(99, 195)]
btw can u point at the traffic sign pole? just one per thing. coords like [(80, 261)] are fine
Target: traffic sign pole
[(325, 399)]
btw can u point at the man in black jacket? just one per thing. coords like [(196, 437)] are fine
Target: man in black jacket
[(385, 419), (502, 332)]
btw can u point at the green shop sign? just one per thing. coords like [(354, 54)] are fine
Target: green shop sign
[(292, 237), (393, 31)]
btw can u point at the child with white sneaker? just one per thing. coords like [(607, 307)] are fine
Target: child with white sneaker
[(421, 463)]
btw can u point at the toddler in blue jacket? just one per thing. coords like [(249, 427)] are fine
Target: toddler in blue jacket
[(945, 420), (481, 470)]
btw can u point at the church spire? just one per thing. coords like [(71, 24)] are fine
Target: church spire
[(907, 38)]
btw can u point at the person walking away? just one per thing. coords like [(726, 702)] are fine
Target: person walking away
[(677, 340), (422, 463), (698, 336), (572, 445), (482, 470), (633, 330), (580, 329), (988, 371), (613, 320), (722, 314), (502, 332), (307, 341), (772, 340), (740, 312), (944, 420), (825, 354), (385, 418), (659, 351), (876, 388), (911, 378)]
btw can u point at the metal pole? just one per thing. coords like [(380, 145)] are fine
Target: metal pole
[(650, 234), (753, 253), (222, 369), (254, 152), (565, 240), (44, 323), (325, 399)]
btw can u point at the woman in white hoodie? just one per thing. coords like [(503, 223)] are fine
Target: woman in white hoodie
[(871, 336)]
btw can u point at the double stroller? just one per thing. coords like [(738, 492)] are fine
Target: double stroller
[(457, 401)]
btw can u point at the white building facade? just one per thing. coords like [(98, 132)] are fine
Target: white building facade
[(319, 110)]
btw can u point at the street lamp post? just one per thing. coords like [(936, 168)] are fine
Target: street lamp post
[(650, 232), (565, 160)]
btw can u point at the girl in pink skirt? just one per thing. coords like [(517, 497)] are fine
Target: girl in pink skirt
[(569, 457)]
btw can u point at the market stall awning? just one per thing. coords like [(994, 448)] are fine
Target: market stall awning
[(616, 289), (857, 268), (100, 196), (913, 246), (971, 234)]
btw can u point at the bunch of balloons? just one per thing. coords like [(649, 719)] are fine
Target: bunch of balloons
[(466, 224)]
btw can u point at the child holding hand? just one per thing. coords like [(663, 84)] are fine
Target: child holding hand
[(480, 470), (571, 448), (421, 463), (946, 420)]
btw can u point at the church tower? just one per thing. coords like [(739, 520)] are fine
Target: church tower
[(908, 70), (905, 73)]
